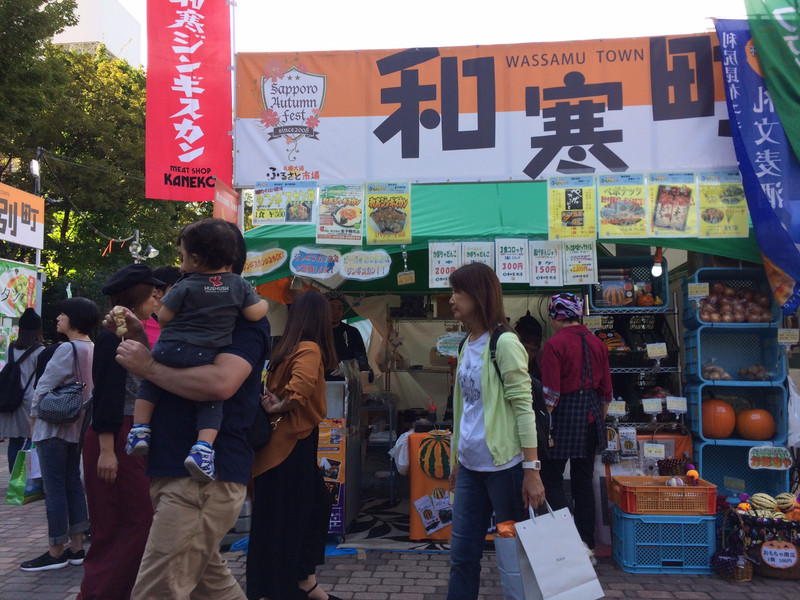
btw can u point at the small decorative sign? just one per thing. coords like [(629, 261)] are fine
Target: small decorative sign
[(788, 337), (320, 263), (657, 350), (776, 458), (780, 555), (593, 322), (651, 406), (676, 404), (654, 450), (697, 290), (405, 278), (366, 265)]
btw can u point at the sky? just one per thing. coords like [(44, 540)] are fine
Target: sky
[(267, 26)]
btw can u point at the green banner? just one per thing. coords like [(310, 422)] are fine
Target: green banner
[(775, 27)]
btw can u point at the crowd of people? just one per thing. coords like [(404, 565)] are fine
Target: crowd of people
[(172, 386)]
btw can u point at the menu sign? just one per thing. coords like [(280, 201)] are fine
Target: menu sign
[(341, 214), (571, 203), (672, 205), (580, 262), (284, 203), (443, 259), (546, 270), (388, 213), (482, 252), (512, 260), (723, 208), (622, 205)]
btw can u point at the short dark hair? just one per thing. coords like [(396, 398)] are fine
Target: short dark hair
[(83, 313), (214, 241), (168, 274)]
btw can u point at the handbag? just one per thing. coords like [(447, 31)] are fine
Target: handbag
[(62, 405), (260, 430), (25, 485), (555, 570)]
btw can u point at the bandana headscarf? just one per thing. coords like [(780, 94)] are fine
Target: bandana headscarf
[(564, 307)]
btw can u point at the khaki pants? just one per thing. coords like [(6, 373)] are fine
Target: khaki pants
[(182, 559)]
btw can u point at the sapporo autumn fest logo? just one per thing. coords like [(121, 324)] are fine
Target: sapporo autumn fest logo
[(292, 101)]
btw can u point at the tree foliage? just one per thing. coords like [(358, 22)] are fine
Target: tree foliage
[(90, 121)]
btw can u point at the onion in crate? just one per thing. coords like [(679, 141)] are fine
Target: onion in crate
[(675, 482)]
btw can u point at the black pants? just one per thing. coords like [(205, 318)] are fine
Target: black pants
[(581, 472)]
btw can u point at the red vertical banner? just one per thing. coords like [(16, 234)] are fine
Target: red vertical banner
[(188, 98), (226, 203)]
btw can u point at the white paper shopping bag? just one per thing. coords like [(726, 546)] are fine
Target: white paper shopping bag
[(557, 565)]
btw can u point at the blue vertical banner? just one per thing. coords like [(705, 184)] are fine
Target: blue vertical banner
[(770, 171)]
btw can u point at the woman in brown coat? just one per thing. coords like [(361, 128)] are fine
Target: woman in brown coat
[(291, 505)]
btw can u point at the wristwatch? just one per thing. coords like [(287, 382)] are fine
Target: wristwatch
[(536, 465)]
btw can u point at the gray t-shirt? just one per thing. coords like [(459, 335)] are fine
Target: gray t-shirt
[(206, 307)]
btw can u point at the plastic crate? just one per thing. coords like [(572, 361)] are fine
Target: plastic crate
[(733, 349), (717, 461), (636, 270), (652, 496), (735, 278), (664, 544), (773, 399), (639, 330)]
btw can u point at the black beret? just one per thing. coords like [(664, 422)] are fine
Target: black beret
[(30, 320), (129, 276)]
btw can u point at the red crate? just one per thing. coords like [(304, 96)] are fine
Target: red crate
[(652, 496)]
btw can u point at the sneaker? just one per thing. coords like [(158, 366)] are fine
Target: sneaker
[(45, 562), (138, 441), (200, 463), (590, 552), (75, 558)]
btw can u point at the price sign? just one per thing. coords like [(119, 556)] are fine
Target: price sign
[(654, 450), (651, 406), (545, 258), (788, 337), (657, 350), (405, 278), (617, 409), (676, 404), (731, 483), (779, 555), (697, 290), (512, 260), (593, 322)]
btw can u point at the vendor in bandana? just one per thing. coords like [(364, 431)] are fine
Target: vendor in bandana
[(346, 338), (577, 389)]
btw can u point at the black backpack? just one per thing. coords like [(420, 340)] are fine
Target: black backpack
[(544, 420), (12, 392)]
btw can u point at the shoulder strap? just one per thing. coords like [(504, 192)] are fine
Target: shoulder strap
[(25, 354), (493, 349), (76, 361), (33, 372)]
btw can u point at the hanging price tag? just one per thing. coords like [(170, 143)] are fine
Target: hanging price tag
[(617, 409), (657, 350), (697, 290), (405, 278), (593, 322), (788, 337), (676, 404), (654, 450), (651, 406)]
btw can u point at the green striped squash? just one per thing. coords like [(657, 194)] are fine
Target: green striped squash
[(434, 456)]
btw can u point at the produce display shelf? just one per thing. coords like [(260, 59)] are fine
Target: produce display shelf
[(727, 466)]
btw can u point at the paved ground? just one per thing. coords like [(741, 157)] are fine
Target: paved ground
[(364, 576)]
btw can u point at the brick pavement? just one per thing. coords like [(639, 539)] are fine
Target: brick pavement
[(363, 576)]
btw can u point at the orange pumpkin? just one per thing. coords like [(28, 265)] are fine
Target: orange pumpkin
[(755, 424), (719, 420), (793, 515)]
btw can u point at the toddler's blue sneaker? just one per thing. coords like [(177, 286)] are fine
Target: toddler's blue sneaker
[(200, 462), (138, 443)]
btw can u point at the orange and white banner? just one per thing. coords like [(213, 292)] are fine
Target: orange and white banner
[(498, 113), (188, 98), (21, 217)]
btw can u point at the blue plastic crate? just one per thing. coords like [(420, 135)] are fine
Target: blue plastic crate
[(773, 399), (664, 544), (715, 462), (640, 272), (736, 278), (733, 349)]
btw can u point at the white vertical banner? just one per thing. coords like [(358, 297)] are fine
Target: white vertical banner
[(482, 252), (546, 266), (512, 260), (580, 262), (443, 259)]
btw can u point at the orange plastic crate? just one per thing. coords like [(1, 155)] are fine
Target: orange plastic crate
[(652, 496)]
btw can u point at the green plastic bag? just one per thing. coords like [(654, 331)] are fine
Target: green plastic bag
[(24, 487)]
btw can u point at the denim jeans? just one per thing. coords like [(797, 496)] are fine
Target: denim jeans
[(65, 501), (477, 494)]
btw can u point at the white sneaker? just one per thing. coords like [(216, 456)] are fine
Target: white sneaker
[(590, 552)]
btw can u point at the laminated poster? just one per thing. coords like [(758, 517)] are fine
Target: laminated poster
[(331, 459), (388, 213), (571, 207), (340, 217), (723, 208), (319, 263), (284, 203), (366, 265), (622, 205), (443, 259), (512, 260), (580, 262), (428, 514), (481, 252), (17, 288), (546, 267), (672, 205)]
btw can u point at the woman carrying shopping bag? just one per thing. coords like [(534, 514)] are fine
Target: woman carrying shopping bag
[(58, 446), (494, 456)]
